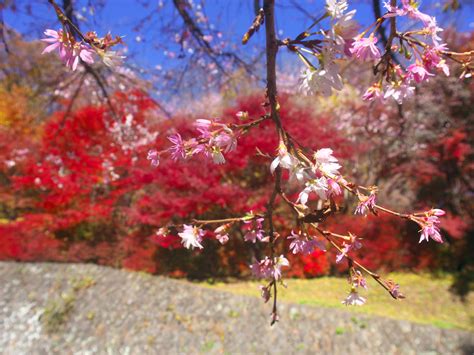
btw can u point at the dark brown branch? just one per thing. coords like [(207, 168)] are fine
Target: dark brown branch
[(3, 29), (393, 29), (102, 85), (67, 15), (377, 15), (198, 35), (388, 56), (271, 52), (71, 103)]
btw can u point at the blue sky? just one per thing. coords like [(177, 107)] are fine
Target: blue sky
[(232, 17)]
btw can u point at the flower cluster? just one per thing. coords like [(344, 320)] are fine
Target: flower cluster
[(222, 233), (353, 244), (394, 290), (102, 48), (321, 178), (334, 44), (154, 157), (365, 48), (69, 50), (354, 299), (301, 243), (423, 48), (191, 237), (356, 280), (366, 203), (429, 225), (72, 51), (254, 230), (213, 140), (269, 268)]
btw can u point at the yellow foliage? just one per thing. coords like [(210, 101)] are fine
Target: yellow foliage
[(15, 105)]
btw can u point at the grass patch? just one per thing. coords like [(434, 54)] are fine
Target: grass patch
[(428, 299), (57, 312)]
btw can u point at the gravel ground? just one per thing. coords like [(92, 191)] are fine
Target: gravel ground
[(88, 309)]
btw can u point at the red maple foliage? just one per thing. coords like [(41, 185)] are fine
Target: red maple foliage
[(85, 192)]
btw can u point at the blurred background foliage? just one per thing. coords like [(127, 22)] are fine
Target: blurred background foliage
[(75, 185)]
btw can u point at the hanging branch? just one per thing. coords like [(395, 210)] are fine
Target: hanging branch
[(381, 29), (3, 30), (271, 46)]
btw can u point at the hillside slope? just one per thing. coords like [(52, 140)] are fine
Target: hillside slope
[(75, 308)]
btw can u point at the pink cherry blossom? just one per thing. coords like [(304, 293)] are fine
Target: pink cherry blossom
[(214, 140), (178, 149), (280, 262), (210, 151), (162, 232), (334, 189), (154, 157), (366, 204), (408, 9), (284, 159), (343, 253), (317, 186), (222, 238), (430, 229), (354, 299), (56, 40), (432, 60), (358, 280), (221, 233), (365, 48), (336, 8), (69, 51), (265, 292), (399, 91), (217, 156), (374, 92), (354, 244), (225, 140), (203, 126), (287, 161), (437, 212), (191, 237), (326, 162), (111, 58), (324, 79), (343, 31), (302, 244), (394, 290), (418, 72), (263, 268), (393, 10), (255, 231), (268, 268)]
